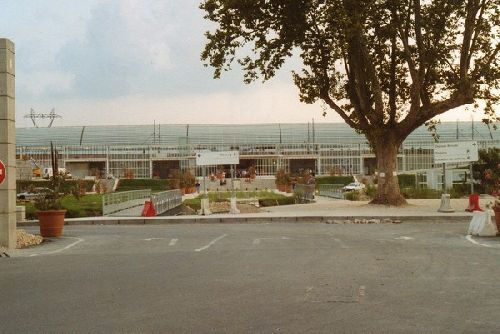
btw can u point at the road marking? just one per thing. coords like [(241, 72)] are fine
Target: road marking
[(78, 240), (405, 238), (172, 242), (210, 243), (149, 239), (469, 237), (257, 241)]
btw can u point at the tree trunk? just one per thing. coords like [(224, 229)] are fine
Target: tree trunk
[(388, 193)]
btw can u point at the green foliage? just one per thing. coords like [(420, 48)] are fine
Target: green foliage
[(365, 52), (87, 206), (352, 195), (420, 193), (282, 178), (371, 191), (406, 180), (139, 184), (343, 180), (487, 170), (66, 186), (460, 190), (276, 201), (268, 198), (182, 179)]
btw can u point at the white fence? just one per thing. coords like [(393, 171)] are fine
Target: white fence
[(331, 190), (304, 193), (120, 201), (166, 200)]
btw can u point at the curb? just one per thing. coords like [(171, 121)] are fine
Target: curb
[(255, 220)]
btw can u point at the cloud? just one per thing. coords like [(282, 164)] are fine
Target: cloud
[(276, 102), (41, 82)]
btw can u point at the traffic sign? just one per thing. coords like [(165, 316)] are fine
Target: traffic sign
[(3, 172), (445, 153), (208, 158)]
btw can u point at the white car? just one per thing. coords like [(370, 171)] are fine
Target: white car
[(354, 186), (33, 194)]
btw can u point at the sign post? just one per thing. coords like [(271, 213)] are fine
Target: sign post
[(209, 158), (8, 236), (456, 152)]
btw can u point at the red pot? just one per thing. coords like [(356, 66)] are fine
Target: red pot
[(51, 223)]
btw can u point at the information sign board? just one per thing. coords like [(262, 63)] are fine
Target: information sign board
[(455, 152), (208, 158)]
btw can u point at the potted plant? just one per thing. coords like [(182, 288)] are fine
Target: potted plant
[(282, 180), (50, 211), (187, 182)]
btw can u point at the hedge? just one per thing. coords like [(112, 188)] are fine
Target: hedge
[(344, 180), (138, 184), (23, 185), (406, 180)]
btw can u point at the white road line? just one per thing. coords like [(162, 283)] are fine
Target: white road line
[(210, 243), (149, 239), (469, 237), (78, 240), (404, 238), (257, 241), (172, 242)]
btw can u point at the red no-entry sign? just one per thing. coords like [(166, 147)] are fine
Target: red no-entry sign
[(2, 172)]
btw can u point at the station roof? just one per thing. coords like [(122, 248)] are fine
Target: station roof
[(230, 134)]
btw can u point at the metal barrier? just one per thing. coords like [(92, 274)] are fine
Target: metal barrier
[(331, 190), (304, 193), (120, 201), (166, 200)]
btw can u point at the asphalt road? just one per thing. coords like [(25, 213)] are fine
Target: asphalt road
[(254, 278)]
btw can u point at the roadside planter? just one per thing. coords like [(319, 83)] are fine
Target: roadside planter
[(51, 223)]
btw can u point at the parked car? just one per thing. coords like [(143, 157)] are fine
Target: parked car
[(34, 193), (354, 186)]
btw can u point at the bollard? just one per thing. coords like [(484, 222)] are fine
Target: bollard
[(149, 210), (473, 203), (445, 204)]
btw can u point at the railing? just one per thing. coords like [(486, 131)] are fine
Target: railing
[(304, 193), (120, 201), (166, 200), (331, 190)]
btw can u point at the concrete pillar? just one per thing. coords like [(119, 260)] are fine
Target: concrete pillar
[(7, 144)]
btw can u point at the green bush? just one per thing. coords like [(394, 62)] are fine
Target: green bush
[(420, 193), (352, 196), (139, 184), (371, 191), (406, 180), (344, 180), (23, 185), (276, 201), (460, 190)]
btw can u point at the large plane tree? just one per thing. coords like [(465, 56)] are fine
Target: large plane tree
[(385, 66)]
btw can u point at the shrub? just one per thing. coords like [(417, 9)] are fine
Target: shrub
[(352, 196), (276, 201), (344, 180), (138, 184), (406, 180), (420, 193), (371, 191)]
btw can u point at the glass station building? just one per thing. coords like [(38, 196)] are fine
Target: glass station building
[(148, 151)]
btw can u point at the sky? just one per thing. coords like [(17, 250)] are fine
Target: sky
[(100, 62)]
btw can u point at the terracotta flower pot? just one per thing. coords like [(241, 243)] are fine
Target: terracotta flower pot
[(51, 223)]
